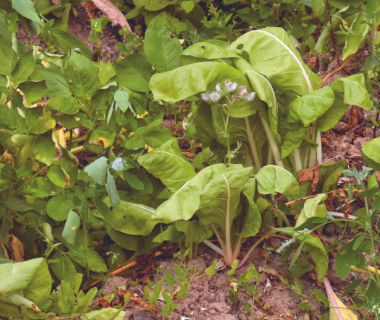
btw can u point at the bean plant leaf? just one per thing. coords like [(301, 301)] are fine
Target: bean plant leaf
[(58, 208), (168, 164), (134, 72), (162, 51), (26, 8), (24, 68), (273, 179)]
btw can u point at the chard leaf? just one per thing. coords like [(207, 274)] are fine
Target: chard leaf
[(186, 81), (357, 34), (168, 164), (30, 278), (272, 53), (312, 209), (185, 202), (252, 217), (350, 90), (272, 180), (311, 106), (371, 153), (132, 218), (220, 197)]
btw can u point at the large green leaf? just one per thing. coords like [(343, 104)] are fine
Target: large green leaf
[(134, 72), (252, 217), (132, 218), (65, 104), (55, 80), (272, 180), (371, 153), (83, 76), (357, 34), (58, 208), (29, 278), (162, 51), (207, 50), (312, 209), (26, 8), (311, 106), (185, 202), (272, 54), (186, 81), (8, 58), (24, 68), (168, 164), (88, 258), (64, 269), (350, 90), (33, 90), (67, 41), (97, 170)]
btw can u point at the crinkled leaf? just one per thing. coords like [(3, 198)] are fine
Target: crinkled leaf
[(168, 164), (272, 180)]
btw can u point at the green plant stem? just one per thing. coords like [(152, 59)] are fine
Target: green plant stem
[(319, 148), (214, 247), (270, 156), (297, 160), (272, 143), (284, 217), (220, 239), (228, 139), (229, 258), (252, 144), (313, 152)]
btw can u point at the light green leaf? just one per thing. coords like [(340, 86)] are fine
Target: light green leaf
[(162, 51), (168, 164), (272, 180), (90, 256), (371, 153), (58, 208), (97, 170), (311, 106), (186, 81), (57, 176), (30, 278), (345, 3), (112, 191), (350, 90), (188, 6), (83, 76), (355, 38), (272, 54), (132, 218), (186, 201), (71, 226), (104, 314), (19, 301), (122, 100), (8, 58), (107, 72), (100, 139), (66, 41), (312, 209), (33, 90), (26, 8), (134, 72)]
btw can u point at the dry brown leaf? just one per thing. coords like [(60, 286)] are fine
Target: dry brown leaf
[(353, 119), (113, 13), (17, 249), (188, 154), (90, 8), (314, 63), (377, 176), (309, 175)]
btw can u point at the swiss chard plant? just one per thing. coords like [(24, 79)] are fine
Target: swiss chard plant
[(283, 122)]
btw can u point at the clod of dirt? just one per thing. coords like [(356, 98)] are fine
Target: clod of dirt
[(220, 307)]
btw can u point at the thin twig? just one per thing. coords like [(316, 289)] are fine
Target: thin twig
[(341, 67)]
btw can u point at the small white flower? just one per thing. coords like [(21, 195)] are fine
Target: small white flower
[(243, 90), (218, 88), (250, 96), (205, 96), (230, 86), (215, 96)]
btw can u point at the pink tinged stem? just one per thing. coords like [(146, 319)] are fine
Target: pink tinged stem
[(220, 239), (228, 251), (236, 251), (331, 296)]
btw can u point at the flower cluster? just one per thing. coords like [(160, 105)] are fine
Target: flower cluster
[(229, 86)]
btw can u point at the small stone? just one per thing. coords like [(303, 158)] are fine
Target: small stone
[(142, 316), (220, 307)]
